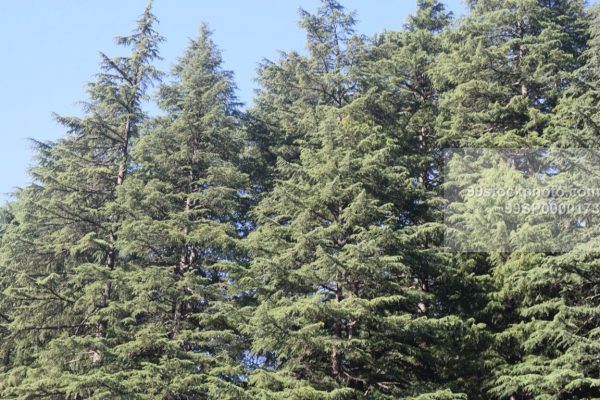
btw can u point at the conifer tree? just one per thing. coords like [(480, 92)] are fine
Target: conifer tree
[(338, 246), (66, 315), (185, 202), (295, 251), (510, 64), (405, 100), (295, 88), (556, 297)]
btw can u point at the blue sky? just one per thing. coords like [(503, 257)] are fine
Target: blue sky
[(50, 51)]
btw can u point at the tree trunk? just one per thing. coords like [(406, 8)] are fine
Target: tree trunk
[(336, 356), (113, 253), (185, 261)]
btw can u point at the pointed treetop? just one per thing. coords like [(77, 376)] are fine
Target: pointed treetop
[(203, 49), (144, 28), (431, 15), (330, 24)]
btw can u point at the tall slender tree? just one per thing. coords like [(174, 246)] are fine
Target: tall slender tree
[(66, 316), (404, 100), (185, 202)]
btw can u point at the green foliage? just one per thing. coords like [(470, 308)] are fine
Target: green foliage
[(66, 303), (509, 64), (295, 250), (185, 202)]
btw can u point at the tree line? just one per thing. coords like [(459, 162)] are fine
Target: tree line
[(294, 249)]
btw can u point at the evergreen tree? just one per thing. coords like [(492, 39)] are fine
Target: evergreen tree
[(405, 101), (185, 203), (556, 296), (66, 318), (401, 83), (339, 252), (510, 64), (295, 88), (295, 251)]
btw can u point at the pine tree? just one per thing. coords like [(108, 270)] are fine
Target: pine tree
[(296, 251), (556, 297), (337, 249), (295, 88), (509, 66), (185, 202), (65, 315), (405, 101)]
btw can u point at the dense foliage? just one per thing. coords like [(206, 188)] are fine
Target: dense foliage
[(294, 249)]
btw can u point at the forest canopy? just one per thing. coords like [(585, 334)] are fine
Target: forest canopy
[(298, 248)]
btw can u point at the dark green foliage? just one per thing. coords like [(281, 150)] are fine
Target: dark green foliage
[(554, 335), (503, 80), (297, 87), (343, 265), (508, 64), (185, 204), (295, 250), (67, 301)]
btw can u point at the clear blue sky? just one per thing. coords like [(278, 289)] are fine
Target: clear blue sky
[(50, 51)]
